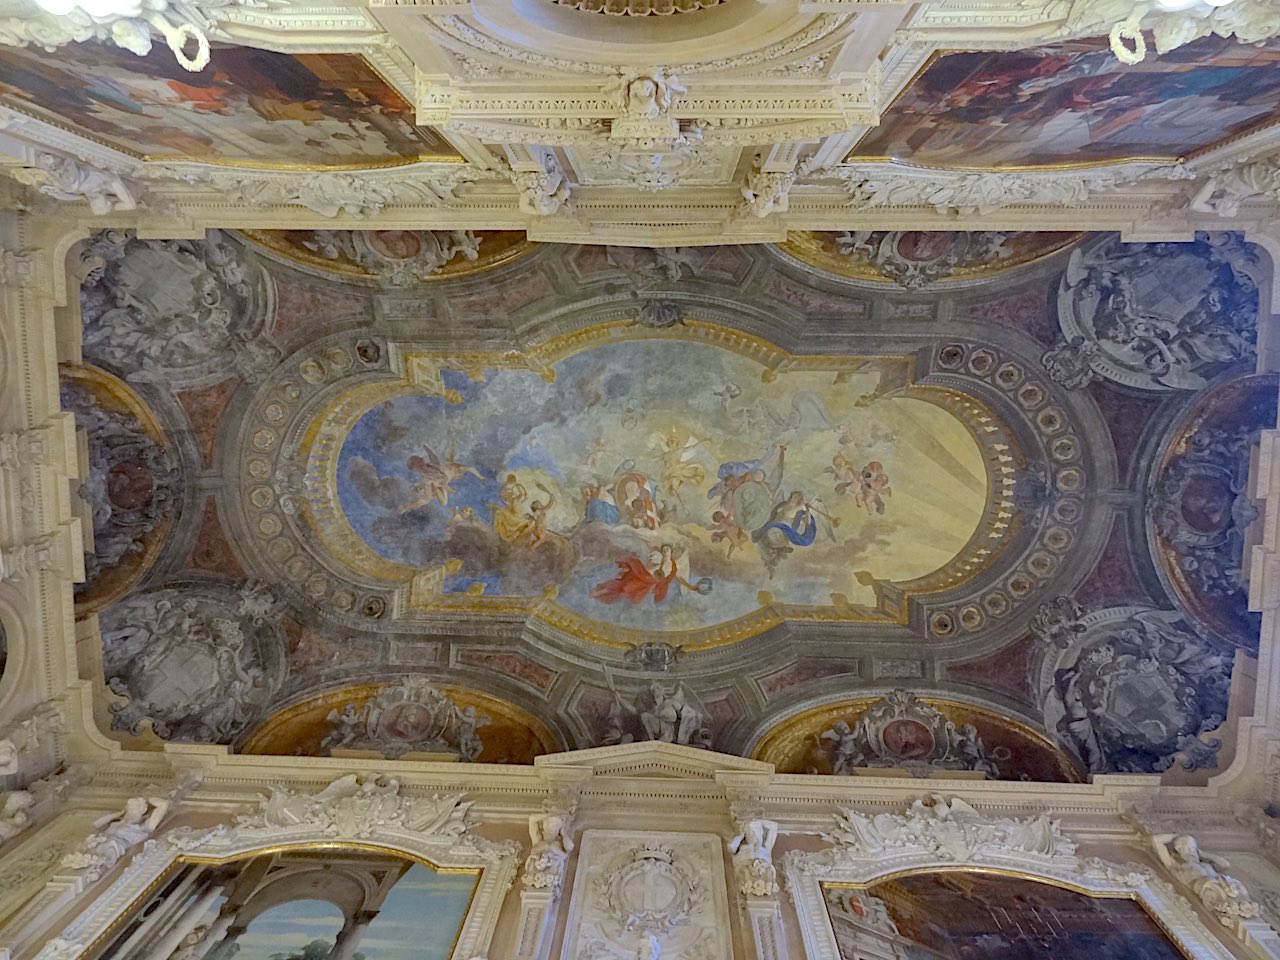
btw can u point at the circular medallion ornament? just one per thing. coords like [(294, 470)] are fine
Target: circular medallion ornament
[(653, 893), (908, 739)]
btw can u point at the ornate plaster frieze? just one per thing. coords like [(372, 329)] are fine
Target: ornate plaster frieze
[(948, 831), (887, 185)]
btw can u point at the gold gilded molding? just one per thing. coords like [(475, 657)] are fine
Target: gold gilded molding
[(116, 396), (512, 735), (818, 249), (789, 744), (498, 248)]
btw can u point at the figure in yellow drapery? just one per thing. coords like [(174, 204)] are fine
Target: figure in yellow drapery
[(676, 453), (510, 520)]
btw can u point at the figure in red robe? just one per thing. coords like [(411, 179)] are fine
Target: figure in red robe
[(635, 581)]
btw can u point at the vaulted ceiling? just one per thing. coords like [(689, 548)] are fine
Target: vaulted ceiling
[(853, 386), (966, 502)]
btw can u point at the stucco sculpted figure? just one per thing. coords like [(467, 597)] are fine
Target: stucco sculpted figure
[(1205, 876), (645, 102), (752, 850), (63, 178), (25, 735), (116, 834), (1224, 191), (767, 192), (645, 96), (552, 841), (14, 817), (542, 192)]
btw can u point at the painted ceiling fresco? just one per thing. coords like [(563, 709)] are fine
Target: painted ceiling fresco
[(661, 485), (247, 106), (989, 518), (1074, 103)]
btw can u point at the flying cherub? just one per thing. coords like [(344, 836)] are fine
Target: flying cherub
[(437, 478), (873, 487)]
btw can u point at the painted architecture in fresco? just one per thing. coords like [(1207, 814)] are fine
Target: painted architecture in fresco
[(256, 106), (1075, 103)]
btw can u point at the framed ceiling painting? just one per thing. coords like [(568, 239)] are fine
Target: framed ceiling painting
[(1074, 104), (248, 107)]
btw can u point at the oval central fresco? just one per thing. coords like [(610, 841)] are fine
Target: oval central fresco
[(656, 485)]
